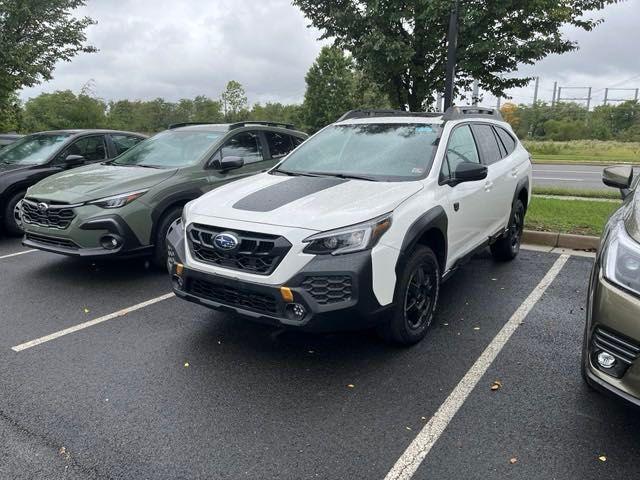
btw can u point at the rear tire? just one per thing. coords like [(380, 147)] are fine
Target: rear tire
[(415, 300), (160, 249), (508, 246), (11, 222)]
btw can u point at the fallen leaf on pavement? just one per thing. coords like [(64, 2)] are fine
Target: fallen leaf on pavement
[(186, 364), (602, 458), (496, 385), (513, 461), (351, 385), (86, 310)]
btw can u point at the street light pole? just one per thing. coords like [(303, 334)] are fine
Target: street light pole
[(452, 46)]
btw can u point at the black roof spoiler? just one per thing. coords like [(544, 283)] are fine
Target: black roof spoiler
[(471, 111)]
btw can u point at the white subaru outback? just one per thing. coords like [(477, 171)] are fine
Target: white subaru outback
[(359, 225)]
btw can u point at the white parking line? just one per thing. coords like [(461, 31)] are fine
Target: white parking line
[(582, 172), (16, 254), (90, 323), (413, 456)]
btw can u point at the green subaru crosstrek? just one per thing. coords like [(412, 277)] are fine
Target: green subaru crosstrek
[(124, 207)]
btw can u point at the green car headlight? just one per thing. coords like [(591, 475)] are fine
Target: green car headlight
[(117, 201), (355, 238), (621, 264)]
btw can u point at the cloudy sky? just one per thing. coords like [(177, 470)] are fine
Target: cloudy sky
[(183, 48)]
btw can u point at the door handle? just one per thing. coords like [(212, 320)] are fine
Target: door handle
[(488, 186)]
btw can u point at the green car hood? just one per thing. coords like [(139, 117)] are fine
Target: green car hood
[(96, 181)]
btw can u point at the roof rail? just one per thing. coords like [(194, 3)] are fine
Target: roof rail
[(471, 111), (361, 113), (288, 126), (187, 124)]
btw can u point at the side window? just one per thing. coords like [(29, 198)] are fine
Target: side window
[(91, 148), (460, 149), (245, 145), (503, 151), (122, 143), (507, 140), (487, 143), (279, 144), (297, 141)]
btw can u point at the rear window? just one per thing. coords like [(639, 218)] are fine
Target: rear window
[(279, 144), (487, 143)]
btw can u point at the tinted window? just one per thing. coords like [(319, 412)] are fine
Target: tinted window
[(297, 141), (245, 145), (460, 149), (91, 148), (487, 143), (503, 151), (122, 143), (279, 144), (377, 151), (507, 140)]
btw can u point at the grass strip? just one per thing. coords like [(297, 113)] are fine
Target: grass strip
[(609, 193), (580, 217)]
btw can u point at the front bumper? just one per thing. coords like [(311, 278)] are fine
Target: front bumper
[(336, 292), (613, 322), (64, 242)]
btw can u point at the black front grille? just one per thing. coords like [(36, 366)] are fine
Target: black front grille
[(256, 252), (45, 215), (229, 295), (51, 241), (329, 288)]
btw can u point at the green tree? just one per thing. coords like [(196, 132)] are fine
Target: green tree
[(63, 109), (234, 101), (11, 115), (330, 86), (401, 45), (34, 35)]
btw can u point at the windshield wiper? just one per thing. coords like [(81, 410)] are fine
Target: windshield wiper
[(296, 174), (349, 176)]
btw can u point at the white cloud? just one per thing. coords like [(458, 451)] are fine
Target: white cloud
[(176, 49)]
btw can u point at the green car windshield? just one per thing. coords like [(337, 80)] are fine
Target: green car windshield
[(371, 151), (34, 149), (169, 149)]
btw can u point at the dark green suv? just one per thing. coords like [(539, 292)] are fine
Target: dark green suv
[(125, 206)]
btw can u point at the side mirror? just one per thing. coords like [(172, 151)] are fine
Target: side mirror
[(231, 163), (620, 176), (74, 161), (468, 172)]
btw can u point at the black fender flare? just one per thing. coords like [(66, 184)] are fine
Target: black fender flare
[(174, 199), (523, 184), (436, 218)]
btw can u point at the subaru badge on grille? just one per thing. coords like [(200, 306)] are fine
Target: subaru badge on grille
[(226, 241), (43, 207)]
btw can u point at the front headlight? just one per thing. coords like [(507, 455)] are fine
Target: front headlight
[(621, 263), (355, 238), (117, 201)]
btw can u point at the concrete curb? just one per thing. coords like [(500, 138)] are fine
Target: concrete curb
[(561, 240)]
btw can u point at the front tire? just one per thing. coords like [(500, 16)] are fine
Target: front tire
[(11, 223), (415, 300), (508, 246), (160, 249)]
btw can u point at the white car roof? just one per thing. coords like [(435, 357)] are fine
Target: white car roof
[(399, 120)]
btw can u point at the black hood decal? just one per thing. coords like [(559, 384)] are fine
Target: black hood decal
[(275, 196)]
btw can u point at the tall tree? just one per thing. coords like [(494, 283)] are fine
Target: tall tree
[(402, 44), (234, 101), (330, 87), (34, 35), (63, 109)]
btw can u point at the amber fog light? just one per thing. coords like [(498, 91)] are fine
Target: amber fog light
[(606, 360)]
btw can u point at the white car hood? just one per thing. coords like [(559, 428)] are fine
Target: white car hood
[(312, 203)]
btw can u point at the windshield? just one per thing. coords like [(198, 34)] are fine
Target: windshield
[(33, 150), (170, 149), (384, 152)]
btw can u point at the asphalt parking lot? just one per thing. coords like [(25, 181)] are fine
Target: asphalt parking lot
[(172, 390)]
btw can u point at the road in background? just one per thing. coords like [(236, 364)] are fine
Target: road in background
[(570, 176)]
